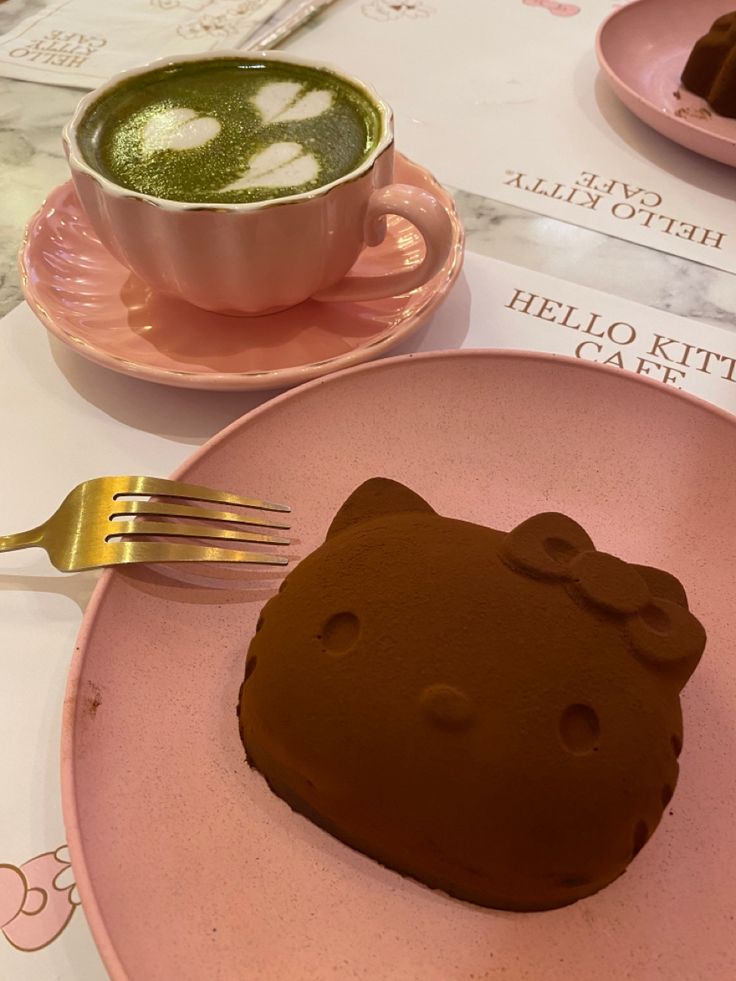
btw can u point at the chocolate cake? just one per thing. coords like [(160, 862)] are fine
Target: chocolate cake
[(494, 714), (710, 71)]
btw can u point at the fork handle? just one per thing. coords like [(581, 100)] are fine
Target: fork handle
[(23, 539)]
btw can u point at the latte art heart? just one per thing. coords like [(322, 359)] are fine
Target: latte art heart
[(279, 165), (178, 129), (282, 102), (230, 130)]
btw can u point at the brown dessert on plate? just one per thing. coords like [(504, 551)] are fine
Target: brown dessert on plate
[(494, 714), (710, 71)]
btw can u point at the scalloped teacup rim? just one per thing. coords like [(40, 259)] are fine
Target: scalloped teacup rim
[(77, 160)]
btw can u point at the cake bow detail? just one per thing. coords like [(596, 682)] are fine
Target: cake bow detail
[(646, 604)]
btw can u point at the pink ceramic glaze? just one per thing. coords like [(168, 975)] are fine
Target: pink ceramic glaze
[(190, 868), (265, 256), (643, 48), (98, 308)]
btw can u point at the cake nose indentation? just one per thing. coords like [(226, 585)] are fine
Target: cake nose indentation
[(446, 707), (580, 729)]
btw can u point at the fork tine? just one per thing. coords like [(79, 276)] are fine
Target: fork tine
[(127, 552), (177, 529), (164, 509), (144, 486)]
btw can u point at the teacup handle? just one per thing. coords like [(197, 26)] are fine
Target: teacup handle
[(431, 219)]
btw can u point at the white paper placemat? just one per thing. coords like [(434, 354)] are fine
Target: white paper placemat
[(504, 98), (65, 419), (83, 42)]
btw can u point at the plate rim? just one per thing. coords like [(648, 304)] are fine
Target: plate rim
[(240, 381), (722, 146), (83, 879)]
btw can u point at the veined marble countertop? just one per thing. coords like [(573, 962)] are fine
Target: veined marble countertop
[(32, 163)]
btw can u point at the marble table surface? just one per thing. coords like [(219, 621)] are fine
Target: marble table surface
[(32, 163)]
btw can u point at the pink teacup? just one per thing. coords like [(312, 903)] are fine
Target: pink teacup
[(255, 258)]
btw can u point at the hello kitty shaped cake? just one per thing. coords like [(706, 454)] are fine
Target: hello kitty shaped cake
[(494, 714)]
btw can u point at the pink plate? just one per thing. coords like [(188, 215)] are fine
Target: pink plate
[(643, 48), (190, 868), (105, 313)]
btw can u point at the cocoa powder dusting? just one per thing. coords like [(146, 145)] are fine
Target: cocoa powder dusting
[(494, 714)]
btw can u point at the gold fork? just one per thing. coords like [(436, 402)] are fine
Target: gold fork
[(84, 533)]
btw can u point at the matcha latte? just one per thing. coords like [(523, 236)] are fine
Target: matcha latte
[(228, 130)]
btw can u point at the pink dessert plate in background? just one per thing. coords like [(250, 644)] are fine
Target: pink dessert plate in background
[(642, 49), (190, 868), (94, 305)]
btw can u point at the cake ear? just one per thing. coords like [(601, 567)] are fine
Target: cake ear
[(372, 499), (663, 585)]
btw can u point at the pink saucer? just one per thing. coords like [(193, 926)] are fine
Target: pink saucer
[(97, 307), (643, 48), (190, 868)]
